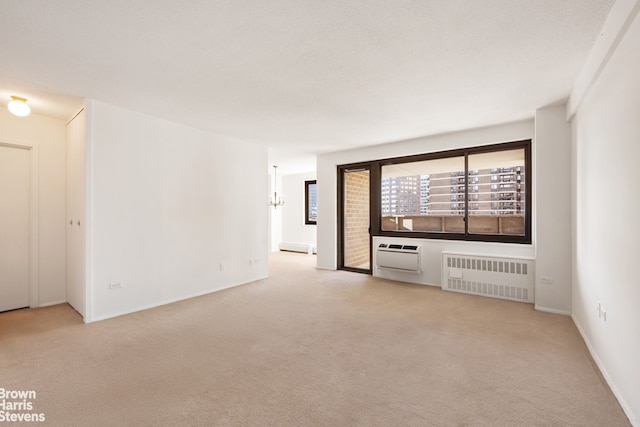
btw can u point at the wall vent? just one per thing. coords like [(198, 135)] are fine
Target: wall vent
[(496, 277)]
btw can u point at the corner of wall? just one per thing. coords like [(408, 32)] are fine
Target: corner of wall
[(552, 207), (618, 21)]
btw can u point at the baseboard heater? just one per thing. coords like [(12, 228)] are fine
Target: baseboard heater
[(497, 277), (297, 247), (397, 257)]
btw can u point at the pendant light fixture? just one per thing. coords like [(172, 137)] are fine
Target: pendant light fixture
[(18, 106), (275, 200)]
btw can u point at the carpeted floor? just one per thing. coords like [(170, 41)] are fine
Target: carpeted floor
[(308, 347)]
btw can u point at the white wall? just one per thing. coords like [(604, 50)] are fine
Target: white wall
[(551, 230), (47, 136), (552, 207), (174, 212), (606, 149), (327, 187), (294, 230)]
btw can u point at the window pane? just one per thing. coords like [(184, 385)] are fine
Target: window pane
[(423, 196), (311, 208), (497, 196)]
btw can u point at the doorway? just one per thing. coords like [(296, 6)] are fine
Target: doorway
[(354, 189), (15, 214)]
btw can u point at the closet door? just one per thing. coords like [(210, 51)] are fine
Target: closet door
[(76, 199), (15, 173)]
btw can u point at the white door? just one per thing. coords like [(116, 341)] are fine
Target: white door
[(75, 213), (15, 172)]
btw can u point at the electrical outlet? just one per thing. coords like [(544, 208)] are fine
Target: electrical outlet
[(115, 285), (602, 313), (546, 280)]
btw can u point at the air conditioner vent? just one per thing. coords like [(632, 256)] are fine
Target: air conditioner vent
[(405, 258)]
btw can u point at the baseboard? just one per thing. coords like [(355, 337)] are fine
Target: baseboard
[(48, 304), (297, 247), (552, 310), (171, 301), (625, 407)]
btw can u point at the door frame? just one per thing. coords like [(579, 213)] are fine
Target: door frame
[(373, 216), (33, 216)]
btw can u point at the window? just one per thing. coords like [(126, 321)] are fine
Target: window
[(503, 214), (426, 189), (479, 193), (310, 203)]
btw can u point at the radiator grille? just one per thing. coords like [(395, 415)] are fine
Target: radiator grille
[(505, 278)]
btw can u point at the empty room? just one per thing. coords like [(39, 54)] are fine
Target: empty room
[(304, 213)]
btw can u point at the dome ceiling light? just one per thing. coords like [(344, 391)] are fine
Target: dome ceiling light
[(18, 106)]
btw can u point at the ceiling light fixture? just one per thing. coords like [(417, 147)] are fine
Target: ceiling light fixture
[(18, 106), (275, 200)]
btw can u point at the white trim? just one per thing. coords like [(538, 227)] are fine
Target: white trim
[(552, 310), (34, 262), (88, 213), (625, 407), (49, 304), (173, 300), (34, 244)]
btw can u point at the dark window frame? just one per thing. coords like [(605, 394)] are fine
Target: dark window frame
[(376, 214), (308, 221)]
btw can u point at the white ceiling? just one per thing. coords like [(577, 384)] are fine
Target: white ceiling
[(301, 76)]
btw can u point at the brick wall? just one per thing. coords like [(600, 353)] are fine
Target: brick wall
[(356, 218)]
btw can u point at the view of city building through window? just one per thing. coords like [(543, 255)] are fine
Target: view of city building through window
[(431, 195), (311, 202)]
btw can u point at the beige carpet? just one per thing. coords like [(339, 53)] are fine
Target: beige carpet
[(309, 348)]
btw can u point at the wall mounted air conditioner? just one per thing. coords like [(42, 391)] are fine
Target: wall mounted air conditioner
[(396, 257)]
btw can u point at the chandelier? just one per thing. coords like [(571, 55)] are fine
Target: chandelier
[(275, 200)]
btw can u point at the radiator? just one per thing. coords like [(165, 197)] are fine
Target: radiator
[(297, 247), (497, 277), (398, 257)]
